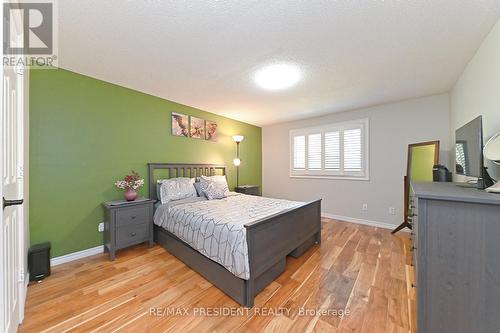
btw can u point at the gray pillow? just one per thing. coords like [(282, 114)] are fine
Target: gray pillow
[(199, 191)]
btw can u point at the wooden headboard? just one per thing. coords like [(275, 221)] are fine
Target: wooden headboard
[(173, 170)]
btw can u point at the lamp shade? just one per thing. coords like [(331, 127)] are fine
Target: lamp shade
[(237, 162), (238, 138)]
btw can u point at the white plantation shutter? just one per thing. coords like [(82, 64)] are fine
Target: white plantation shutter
[(332, 151), (460, 156), (314, 151), (352, 150), (299, 152)]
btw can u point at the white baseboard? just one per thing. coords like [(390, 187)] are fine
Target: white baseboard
[(360, 221), (76, 255), (23, 295), (100, 249)]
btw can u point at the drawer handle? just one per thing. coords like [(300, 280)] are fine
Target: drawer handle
[(413, 248), (413, 214), (413, 285), (133, 217), (133, 234)]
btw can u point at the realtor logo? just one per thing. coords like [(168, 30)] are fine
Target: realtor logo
[(29, 37)]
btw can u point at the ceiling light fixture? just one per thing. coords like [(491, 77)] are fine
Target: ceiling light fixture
[(277, 76)]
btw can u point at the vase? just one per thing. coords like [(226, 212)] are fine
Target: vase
[(130, 194)]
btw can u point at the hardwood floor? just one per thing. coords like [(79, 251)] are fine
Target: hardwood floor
[(357, 268)]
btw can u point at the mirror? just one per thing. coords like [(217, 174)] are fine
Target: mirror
[(421, 159), (492, 149)]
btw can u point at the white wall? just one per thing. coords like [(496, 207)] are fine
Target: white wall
[(477, 92), (392, 127)]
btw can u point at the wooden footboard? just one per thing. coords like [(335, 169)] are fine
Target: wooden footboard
[(271, 239)]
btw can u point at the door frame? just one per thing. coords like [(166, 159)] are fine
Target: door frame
[(22, 96)]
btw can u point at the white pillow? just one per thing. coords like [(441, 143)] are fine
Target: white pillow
[(220, 180), (214, 192), (176, 189)]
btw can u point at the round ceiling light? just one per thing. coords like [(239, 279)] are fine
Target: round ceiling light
[(277, 76)]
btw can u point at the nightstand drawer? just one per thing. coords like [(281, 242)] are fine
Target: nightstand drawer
[(131, 234), (132, 216)]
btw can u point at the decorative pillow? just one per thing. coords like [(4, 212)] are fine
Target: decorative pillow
[(219, 180), (214, 192), (197, 186), (214, 187), (176, 189)]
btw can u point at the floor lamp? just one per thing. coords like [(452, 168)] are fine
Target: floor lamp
[(237, 161)]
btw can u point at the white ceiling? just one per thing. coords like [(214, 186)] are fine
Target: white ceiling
[(203, 53)]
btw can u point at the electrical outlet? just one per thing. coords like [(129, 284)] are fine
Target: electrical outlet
[(392, 210), (100, 227), (364, 207)]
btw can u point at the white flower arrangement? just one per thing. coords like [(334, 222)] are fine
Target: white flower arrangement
[(130, 182)]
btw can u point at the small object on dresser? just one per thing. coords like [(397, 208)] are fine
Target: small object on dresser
[(440, 173), (248, 189), (39, 261), (127, 224), (130, 183)]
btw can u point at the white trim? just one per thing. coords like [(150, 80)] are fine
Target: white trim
[(76, 255), (331, 177), (360, 221)]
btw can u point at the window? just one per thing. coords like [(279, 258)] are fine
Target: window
[(299, 156), (330, 151)]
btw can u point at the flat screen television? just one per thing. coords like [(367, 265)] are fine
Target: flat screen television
[(469, 159), (469, 149)]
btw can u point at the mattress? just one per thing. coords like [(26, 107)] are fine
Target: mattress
[(215, 228)]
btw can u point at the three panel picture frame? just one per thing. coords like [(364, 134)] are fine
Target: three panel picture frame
[(193, 127)]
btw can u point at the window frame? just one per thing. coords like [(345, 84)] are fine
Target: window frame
[(364, 174)]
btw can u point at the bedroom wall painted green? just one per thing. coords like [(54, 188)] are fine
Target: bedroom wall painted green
[(85, 134)]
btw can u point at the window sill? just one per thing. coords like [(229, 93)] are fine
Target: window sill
[(364, 178)]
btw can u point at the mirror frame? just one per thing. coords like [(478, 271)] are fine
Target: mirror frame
[(407, 179), (494, 138)]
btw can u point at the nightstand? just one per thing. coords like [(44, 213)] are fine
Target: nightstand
[(248, 189), (127, 223)]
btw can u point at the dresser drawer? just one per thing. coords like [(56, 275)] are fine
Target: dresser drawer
[(131, 234), (414, 259), (132, 216), (414, 230), (413, 217)]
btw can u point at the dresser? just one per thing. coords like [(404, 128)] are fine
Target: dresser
[(127, 224), (456, 258)]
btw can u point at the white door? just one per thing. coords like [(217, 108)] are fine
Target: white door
[(11, 220)]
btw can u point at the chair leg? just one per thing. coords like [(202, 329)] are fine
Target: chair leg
[(401, 226)]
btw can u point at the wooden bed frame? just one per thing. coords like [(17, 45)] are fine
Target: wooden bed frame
[(269, 240)]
